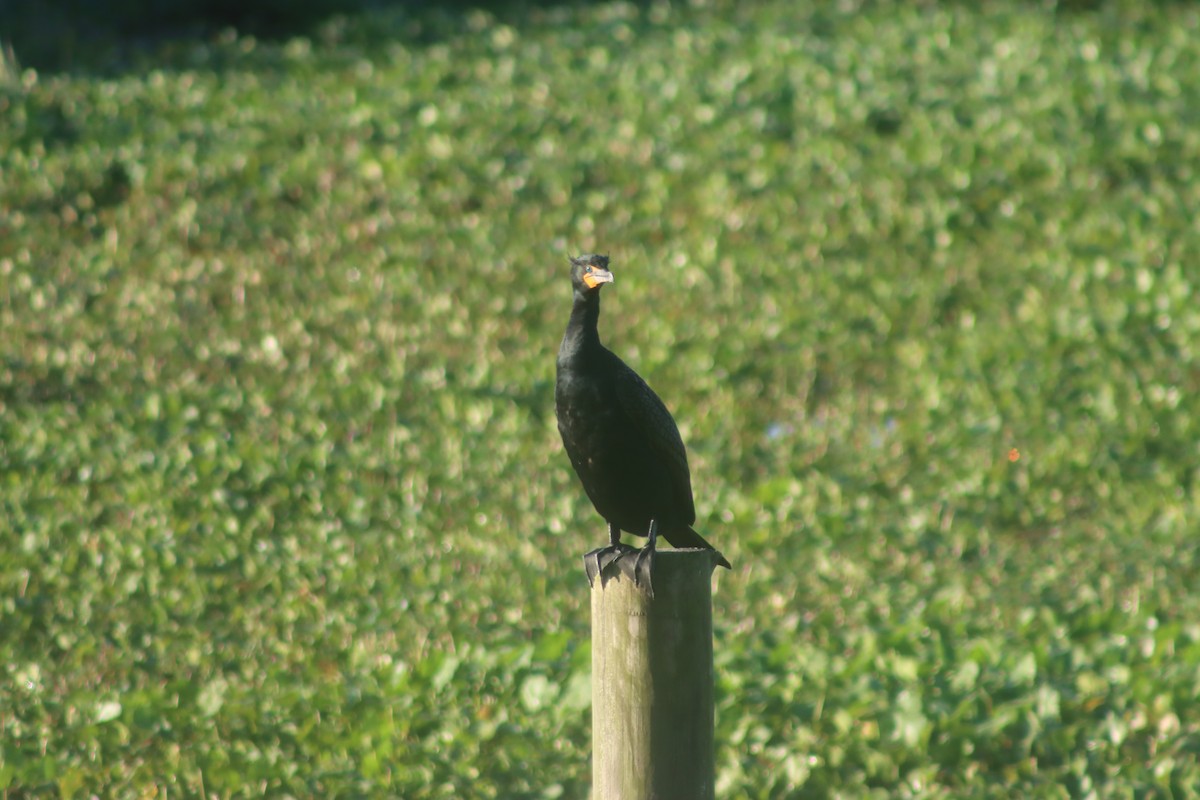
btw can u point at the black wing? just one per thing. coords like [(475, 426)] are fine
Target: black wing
[(655, 424)]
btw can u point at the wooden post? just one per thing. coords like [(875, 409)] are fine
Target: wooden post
[(652, 682)]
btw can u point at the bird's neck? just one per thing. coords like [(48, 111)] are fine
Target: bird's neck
[(581, 328)]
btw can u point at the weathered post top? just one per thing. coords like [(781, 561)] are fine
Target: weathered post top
[(652, 682)]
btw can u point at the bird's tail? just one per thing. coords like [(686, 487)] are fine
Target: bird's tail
[(686, 537)]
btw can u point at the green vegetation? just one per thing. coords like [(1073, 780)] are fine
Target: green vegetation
[(283, 508)]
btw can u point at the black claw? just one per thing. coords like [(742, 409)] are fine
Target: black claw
[(646, 556), (591, 565), (643, 570)]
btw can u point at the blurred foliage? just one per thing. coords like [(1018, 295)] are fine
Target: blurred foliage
[(284, 508)]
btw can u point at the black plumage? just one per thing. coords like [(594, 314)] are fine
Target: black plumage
[(620, 438)]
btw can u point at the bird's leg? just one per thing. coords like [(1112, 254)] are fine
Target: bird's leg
[(600, 561), (643, 565)]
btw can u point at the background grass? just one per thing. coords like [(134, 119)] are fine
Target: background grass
[(284, 508)]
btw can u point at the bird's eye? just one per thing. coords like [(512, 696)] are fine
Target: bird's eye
[(588, 268)]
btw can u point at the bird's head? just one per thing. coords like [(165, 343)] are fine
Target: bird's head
[(589, 273)]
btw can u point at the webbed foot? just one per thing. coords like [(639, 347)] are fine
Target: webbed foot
[(605, 562)]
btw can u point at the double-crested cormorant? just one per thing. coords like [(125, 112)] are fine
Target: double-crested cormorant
[(621, 439)]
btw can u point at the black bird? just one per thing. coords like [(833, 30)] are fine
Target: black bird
[(621, 439)]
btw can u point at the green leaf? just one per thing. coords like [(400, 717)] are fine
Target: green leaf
[(537, 692)]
